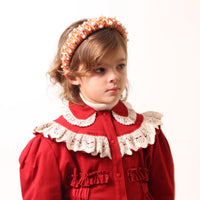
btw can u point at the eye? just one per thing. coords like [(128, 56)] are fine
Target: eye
[(121, 66), (100, 70)]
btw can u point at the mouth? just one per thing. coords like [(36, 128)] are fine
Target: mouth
[(113, 90)]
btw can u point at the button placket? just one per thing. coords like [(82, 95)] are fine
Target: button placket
[(118, 172)]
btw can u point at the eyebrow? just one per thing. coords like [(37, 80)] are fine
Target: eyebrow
[(122, 59), (117, 61)]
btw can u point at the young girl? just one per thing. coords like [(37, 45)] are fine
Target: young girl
[(99, 148)]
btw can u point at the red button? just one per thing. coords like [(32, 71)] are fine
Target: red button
[(118, 174), (112, 142)]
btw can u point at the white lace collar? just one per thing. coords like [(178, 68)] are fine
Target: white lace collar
[(128, 120), (99, 145)]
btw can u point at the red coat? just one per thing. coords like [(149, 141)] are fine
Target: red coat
[(84, 154)]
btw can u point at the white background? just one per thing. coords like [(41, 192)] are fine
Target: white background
[(164, 70)]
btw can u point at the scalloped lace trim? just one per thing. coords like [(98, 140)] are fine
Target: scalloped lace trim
[(78, 122), (143, 136), (95, 145), (77, 141), (130, 119)]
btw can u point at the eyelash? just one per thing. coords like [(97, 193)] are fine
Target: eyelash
[(121, 66), (102, 70)]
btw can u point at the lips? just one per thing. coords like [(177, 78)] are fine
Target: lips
[(113, 90)]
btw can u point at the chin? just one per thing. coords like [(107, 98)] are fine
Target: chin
[(110, 101)]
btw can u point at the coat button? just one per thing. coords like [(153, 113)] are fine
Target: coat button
[(104, 114), (118, 174), (112, 142)]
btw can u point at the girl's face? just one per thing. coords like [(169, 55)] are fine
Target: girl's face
[(108, 81)]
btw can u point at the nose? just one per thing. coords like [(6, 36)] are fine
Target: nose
[(113, 76)]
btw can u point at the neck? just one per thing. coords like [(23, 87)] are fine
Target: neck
[(99, 106)]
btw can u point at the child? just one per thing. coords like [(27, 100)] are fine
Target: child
[(100, 148)]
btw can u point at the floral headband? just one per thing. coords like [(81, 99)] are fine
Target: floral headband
[(82, 31)]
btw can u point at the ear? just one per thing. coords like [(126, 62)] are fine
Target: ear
[(73, 79)]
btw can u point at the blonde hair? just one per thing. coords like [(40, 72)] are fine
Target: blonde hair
[(88, 54)]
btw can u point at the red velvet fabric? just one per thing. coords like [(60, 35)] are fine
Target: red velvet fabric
[(49, 171)]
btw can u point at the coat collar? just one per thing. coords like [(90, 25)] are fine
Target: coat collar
[(136, 139), (84, 115)]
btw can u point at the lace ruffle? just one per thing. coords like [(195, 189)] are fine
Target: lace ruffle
[(153, 118), (76, 141), (78, 122), (143, 136), (95, 145), (130, 119)]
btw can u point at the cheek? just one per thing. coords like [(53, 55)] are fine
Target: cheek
[(124, 77), (89, 84), (95, 81)]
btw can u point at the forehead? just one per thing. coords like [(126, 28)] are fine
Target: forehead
[(115, 55)]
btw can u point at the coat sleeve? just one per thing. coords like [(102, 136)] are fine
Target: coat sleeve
[(162, 171), (39, 171)]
